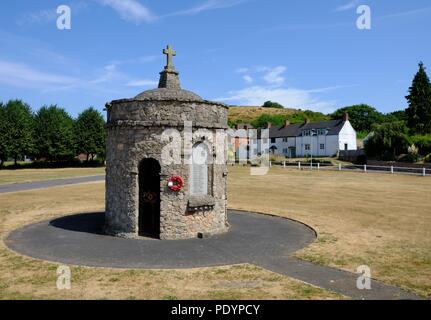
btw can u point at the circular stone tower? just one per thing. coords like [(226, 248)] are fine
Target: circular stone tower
[(166, 168)]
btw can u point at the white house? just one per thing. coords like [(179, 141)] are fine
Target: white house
[(319, 139)]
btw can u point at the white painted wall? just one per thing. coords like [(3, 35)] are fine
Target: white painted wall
[(330, 146), (332, 143), (281, 145), (347, 136)]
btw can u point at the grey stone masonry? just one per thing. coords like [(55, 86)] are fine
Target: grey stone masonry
[(169, 80), (136, 129)]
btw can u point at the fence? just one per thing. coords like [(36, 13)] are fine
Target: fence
[(356, 168)]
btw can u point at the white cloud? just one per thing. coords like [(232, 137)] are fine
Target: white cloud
[(48, 15), (274, 75), (288, 97), (138, 60), (347, 6), (134, 11), (142, 83), (37, 17), (405, 13), (130, 10), (242, 70), (207, 6), (22, 75), (108, 73), (247, 78)]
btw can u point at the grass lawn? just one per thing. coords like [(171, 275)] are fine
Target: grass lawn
[(379, 220), (29, 175), (26, 278)]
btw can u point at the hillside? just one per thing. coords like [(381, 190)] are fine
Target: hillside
[(257, 116)]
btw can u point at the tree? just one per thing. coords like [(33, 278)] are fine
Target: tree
[(362, 116), (419, 100), (53, 133), (396, 116), (3, 135), (270, 104), (388, 140), (89, 133), (19, 129)]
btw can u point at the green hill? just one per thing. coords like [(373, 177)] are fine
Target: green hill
[(259, 116)]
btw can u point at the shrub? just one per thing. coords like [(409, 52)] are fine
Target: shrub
[(361, 159), (270, 104), (423, 142), (387, 141), (407, 158), (413, 153), (428, 158)]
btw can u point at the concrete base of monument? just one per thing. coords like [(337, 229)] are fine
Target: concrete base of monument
[(197, 235), (260, 239), (81, 240)]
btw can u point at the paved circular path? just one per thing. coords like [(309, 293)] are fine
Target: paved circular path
[(79, 240)]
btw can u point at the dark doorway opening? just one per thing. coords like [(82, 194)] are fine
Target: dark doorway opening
[(149, 198)]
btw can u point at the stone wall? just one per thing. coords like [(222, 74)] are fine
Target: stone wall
[(134, 133)]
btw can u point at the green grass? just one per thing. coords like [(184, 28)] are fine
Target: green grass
[(30, 175)]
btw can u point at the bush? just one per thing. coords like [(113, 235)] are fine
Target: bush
[(423, 142), (410, 158), (270, 104), (428, 158), (388, 141), (361, 159)]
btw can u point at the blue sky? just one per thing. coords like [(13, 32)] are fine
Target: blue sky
[(305, 54)]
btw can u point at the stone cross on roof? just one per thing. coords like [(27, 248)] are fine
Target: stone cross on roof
[(169, 52), (169, 76)]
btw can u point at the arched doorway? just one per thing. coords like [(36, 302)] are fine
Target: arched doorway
[(149, 198)]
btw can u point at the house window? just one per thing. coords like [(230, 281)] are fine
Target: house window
[(322, 146), (199, 170), (284, 139), (272, 140), (306, 133), (307, 147)]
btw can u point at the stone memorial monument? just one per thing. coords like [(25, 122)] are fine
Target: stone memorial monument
[(165, 167)]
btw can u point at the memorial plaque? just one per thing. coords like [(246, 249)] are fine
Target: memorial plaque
[(199, 170)]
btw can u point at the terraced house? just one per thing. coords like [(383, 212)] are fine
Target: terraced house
[(319, 139)]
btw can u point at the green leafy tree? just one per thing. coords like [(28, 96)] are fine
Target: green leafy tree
[(396, 116), (388, 140), (362, 116), (19, 129), (89, 133), (297, 117), (270, 104), (3, 135), (419, 100), (423, 142), (53, 134)]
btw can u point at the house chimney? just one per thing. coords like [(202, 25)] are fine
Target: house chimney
[(346, 116), (287, 123), (268, 125)]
